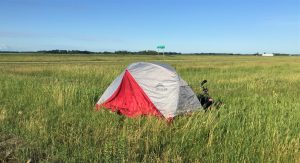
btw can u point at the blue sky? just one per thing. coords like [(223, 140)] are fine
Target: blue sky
[(232, 26)]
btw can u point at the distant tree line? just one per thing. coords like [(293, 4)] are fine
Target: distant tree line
[(215, 54), (121, 52), (57, 51), (125, 52)]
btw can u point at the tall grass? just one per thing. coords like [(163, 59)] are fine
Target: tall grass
[(50, 107)]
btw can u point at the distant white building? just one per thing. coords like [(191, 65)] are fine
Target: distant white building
[(267, 55)]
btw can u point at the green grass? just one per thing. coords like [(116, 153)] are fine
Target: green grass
[(48, 101)]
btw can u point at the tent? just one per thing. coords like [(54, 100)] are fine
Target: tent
[(149, 89)]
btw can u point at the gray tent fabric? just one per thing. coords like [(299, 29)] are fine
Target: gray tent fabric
[(167, 91), (111, 89)]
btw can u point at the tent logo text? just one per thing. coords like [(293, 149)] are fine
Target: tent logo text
[(160, 87)]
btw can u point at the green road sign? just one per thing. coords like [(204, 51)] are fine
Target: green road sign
[(160, 47)]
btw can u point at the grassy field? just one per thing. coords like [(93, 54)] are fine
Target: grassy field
[(47, 108)]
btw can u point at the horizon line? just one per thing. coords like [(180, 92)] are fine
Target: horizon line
[(114, 51)]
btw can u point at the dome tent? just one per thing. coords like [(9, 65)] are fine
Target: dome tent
[(149, 89)]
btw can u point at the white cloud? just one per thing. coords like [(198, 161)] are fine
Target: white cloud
[(3, 47)]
